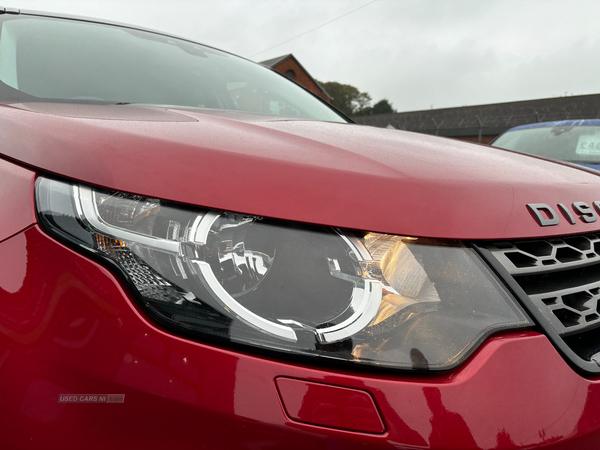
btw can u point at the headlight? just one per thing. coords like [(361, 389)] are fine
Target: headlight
[(311, 290)]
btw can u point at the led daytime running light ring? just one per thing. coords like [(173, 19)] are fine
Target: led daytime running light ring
[(365, 301)]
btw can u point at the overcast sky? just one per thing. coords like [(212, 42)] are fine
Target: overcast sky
[(416, 53)]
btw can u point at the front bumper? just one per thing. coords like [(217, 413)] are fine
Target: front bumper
[(68, 326)]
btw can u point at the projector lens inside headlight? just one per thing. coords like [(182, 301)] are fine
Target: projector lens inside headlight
[(312, 290)]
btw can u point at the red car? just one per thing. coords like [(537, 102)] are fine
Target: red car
[(195, 252)]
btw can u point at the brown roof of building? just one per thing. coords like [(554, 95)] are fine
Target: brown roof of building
[(274, 62)]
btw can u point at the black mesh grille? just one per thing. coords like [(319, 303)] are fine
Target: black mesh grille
[(560, 278), (547, 255), (560, 275)]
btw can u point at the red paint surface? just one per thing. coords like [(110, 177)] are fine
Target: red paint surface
[(17, 210), (329, 406), (69, 327), (324, 173)]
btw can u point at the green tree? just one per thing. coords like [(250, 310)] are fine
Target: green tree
[(383, 107), (347, 98)]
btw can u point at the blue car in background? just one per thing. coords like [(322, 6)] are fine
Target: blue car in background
[(575, 141)]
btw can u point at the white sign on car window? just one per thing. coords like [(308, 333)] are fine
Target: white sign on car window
[(588, 144)]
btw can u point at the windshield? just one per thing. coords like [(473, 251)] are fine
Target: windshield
[(47, 59), (579, 144)]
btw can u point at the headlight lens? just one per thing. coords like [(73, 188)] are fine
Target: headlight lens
[(312, 290)]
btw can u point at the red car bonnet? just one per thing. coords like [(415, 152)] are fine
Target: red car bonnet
[(324, 173)]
